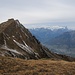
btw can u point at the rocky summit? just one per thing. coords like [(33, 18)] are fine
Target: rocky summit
[(17, 41)]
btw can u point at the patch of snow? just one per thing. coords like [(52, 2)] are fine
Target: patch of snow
[(56, 27), (5, 47), (25, 43), (24, 47), (52, 27), (13, 54), (36, 55), (8, 38), (12, 50), (17, 22), (13, 36), (26, 35)]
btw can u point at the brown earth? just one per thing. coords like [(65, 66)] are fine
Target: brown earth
[(16, 66)]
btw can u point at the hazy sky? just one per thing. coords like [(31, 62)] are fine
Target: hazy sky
[(38, 11)]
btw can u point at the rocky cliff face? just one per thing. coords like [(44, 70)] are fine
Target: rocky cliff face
[(17, 41)]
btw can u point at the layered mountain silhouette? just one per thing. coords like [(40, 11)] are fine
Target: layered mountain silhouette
[(61, 41), (44, 35), (64, 44), (17, 41)]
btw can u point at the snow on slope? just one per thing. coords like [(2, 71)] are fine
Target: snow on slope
[(24, 47)]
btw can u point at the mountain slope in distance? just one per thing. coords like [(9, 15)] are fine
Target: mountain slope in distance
[(46, 34), (61, 41), (64, 44)]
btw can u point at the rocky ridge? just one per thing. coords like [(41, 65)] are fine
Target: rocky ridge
[(17, 41)]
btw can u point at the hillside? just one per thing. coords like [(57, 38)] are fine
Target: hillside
[(67, 38), (16, 66), (64, 44), (61, 41), (17, 41), (44, 35)]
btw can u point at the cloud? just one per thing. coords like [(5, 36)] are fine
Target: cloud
[(38, 11)]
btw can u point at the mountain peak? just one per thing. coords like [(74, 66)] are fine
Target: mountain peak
[(12, 19), (17, 41), (10, 22)]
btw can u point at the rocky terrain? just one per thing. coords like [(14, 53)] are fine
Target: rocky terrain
[(19, 49), (17, 41)]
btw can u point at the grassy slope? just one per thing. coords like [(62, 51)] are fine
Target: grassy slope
[(15, 66)]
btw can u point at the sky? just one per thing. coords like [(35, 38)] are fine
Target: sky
[(59, 12)]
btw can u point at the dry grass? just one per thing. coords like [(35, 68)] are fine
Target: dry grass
[(15, 66)]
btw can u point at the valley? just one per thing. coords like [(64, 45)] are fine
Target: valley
[(59, 40)]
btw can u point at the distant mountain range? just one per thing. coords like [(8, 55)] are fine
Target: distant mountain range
[(64, 43), (59, 40), (46, 34)]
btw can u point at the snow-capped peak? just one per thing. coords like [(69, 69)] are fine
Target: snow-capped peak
[(56, 27), (52, 26)]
